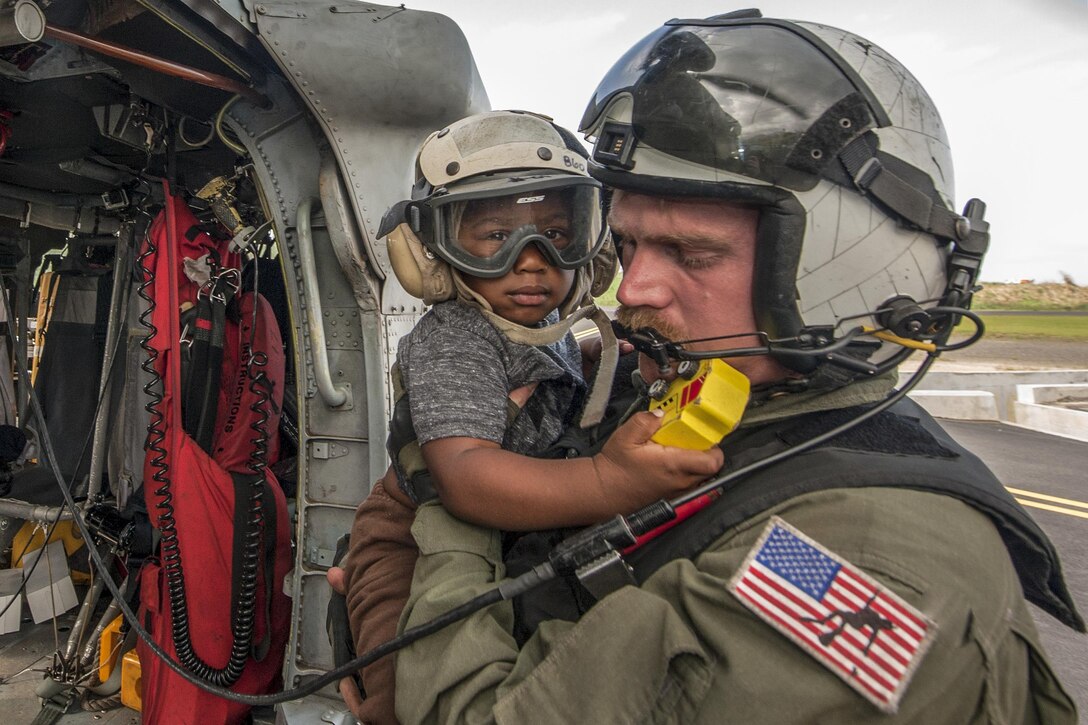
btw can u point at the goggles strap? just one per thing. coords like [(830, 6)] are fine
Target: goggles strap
[(606, 370)]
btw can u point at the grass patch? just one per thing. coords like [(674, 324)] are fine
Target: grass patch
[(1071, 327), (1035, 305), (1031, 296)]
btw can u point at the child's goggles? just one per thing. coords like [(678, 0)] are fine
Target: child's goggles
[(482, 226)]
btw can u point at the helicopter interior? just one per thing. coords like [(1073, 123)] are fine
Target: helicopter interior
[(225, 129), (98, 119)]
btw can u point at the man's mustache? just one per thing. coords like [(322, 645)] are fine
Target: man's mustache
[(638, 317)]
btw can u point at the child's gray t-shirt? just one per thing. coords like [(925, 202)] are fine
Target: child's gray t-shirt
[(458, 371)]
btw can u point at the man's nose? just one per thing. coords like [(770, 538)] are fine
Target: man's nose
[(644, 283)]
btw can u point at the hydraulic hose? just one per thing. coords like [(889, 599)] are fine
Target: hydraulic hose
[(160, 65)]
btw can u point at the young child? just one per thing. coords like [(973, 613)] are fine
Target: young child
[(499, 238)]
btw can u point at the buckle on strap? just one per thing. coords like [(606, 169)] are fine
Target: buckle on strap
[(866, 175), (965, 260)]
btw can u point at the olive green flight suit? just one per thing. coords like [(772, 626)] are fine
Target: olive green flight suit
[(681, 649)]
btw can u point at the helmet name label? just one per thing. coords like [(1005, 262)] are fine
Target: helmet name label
[(530, 199)]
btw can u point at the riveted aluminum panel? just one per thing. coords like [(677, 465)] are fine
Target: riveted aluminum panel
[(378, 79)]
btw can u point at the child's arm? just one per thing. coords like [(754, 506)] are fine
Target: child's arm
[(481, 483)]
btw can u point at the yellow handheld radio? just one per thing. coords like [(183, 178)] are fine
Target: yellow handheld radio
[(702, 405)]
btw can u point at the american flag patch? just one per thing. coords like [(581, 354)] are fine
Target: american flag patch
[(849, 622)]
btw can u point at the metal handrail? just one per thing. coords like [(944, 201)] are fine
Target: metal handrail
[(334, 395)]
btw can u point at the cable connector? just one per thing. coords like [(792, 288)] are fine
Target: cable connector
[(616, 534)]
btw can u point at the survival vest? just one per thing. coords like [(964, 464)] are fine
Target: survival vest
[(870, 455), (210, 598)]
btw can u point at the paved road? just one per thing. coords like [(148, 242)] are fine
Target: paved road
[(1047, 475), (995, 353)]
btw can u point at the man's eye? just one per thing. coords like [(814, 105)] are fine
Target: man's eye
[(497, 235), (693, 260), (623, 247), (556, 235), (698, 262)]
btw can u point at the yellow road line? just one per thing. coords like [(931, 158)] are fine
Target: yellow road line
[(1045, 497), (1049, 507)]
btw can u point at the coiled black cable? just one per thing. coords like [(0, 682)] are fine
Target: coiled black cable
[(243, 599)]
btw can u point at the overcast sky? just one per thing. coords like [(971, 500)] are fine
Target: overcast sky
[(1010, 78)]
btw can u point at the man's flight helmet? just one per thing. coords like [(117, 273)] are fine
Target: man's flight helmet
[(509, 160), (836, 143)]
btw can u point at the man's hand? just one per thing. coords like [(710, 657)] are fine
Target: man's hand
[(393, 491), (634, 471), (349, 691)]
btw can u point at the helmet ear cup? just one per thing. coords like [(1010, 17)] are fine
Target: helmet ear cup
[(420, 272)]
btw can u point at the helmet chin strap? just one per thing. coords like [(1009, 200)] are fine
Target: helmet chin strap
[(578, 306)]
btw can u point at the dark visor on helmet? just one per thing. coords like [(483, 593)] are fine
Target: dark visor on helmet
[(758, 99), (481, 229)]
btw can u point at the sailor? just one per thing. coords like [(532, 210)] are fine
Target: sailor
[(783, 190)]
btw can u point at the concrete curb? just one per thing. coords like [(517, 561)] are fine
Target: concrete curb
[(1027, 398), (1037, 407), (1002, 383), (957, 404)]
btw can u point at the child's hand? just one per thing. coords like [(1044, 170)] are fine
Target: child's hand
[(634, 471)]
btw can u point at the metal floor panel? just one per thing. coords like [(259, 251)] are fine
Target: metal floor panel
[(23, 657)]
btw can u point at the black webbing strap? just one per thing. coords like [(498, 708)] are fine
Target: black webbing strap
[(201, 389), (186, 321), (874, 178), (55, 707), (970, 232)]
